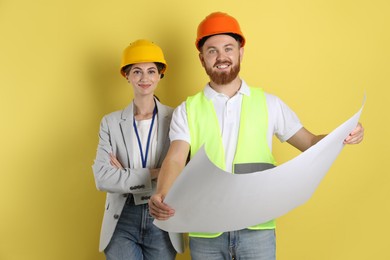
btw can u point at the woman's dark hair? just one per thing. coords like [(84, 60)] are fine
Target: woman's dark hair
[(160, 66)]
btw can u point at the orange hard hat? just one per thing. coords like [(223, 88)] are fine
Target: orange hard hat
[(218, 23)]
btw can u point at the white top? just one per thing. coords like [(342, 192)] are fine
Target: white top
[(143, 127), (282, 121)]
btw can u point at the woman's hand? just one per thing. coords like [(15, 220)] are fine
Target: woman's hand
[(114, 162)]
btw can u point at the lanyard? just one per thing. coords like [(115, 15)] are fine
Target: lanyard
[(145, 159)]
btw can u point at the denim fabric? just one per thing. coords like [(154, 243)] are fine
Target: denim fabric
[(136, 238), (244, 244)]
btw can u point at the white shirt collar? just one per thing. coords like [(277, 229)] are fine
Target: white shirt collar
[(210, 93)]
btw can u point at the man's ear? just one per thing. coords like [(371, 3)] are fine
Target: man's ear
[(201, 58), (241, 54)]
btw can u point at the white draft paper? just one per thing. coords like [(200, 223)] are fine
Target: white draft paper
[(207, 199)]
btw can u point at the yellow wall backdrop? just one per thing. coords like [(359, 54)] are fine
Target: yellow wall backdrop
[(59, 75)]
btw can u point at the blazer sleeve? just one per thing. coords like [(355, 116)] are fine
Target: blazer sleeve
[(109, 178)]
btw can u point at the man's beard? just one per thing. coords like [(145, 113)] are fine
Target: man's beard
[(223, 78)]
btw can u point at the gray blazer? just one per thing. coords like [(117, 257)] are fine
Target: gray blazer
[(115, 134)]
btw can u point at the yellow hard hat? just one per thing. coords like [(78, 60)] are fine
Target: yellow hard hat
[(142, 51)]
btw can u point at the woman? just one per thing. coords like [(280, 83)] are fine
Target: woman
[(132, 145)]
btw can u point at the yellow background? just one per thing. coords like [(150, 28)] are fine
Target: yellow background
[(59, 75)]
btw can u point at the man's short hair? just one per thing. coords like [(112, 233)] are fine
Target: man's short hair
[(237, 37)]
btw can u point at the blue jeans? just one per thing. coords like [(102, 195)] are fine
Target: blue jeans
[(136, 238), (243, 244)]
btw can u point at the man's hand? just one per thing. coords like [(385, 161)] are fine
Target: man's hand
[(158, 209), (356, 136)]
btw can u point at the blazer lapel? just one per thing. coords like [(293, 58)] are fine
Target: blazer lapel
[(127, 130), (162, 130)]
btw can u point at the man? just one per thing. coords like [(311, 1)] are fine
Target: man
[(235, 123)]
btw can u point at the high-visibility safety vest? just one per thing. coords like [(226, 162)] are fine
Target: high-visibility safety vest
[(252, 150)]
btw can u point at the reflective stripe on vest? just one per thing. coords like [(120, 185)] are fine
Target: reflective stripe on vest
[(252, 151)]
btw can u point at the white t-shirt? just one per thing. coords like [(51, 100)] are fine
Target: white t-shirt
[(143, 127), (282, 121)]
